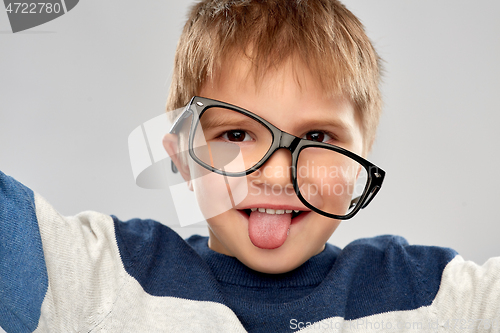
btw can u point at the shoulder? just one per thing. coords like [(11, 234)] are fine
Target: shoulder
[(16, 199), (162, 262), (395, 276), (23, 276), (386, 280), (140, 239), (397, 258), (391, 274)]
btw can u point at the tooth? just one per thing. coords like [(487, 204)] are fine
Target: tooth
[(288, 211), (296, 211), (270, 211), (262, 210), (280, 211), (253, 209)]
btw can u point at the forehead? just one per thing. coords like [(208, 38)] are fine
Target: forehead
[(290, 87)]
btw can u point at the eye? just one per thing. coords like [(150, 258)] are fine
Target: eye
[(318, 136), (236, 136)]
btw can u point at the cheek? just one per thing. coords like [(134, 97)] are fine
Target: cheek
[(327, 180), (211, 194), (341, 182), (215, 193), (326, 227)]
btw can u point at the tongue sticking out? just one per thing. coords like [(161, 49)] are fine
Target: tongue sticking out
[(268, 231)]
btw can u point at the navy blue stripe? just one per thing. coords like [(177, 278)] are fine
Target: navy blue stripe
[(385, 274), (23, 274)]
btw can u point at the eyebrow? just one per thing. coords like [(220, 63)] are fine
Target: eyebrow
[(217, 120), (337, 123), (333, 123)]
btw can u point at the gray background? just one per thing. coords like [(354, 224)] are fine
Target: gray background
[(73, 89)]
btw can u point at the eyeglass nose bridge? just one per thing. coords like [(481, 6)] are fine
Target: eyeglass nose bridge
[(288, 141)]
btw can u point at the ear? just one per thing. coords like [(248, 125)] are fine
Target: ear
[(171, 145)]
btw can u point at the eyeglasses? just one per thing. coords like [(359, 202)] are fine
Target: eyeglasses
[(234, 142)]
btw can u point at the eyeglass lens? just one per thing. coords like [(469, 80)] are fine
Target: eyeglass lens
[(234, 141), (329, 181)]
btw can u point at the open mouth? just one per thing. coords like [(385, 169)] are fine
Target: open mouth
[(294, 213), (268, 228)]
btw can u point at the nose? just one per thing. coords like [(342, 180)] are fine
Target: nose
[(276, 171)]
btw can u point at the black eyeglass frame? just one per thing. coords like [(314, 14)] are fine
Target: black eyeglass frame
[(280, 139)]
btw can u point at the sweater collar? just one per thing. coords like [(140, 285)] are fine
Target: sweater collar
[(230, 270)]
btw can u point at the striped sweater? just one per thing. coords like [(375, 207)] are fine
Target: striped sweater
[(94, 273)]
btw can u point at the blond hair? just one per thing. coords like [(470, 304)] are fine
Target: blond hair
[(323, 34)]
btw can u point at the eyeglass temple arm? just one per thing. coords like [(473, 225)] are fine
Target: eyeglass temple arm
[(354, 202), (178, 122), (175, 130), (379, 179), (370, 197)]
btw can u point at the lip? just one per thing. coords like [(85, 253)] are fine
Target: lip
[(275, 207)]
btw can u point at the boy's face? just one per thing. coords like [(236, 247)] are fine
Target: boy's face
[(291, 99)]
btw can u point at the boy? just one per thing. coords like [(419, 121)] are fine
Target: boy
[(270, 75)]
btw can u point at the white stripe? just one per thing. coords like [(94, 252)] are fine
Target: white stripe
[(469, 292)]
